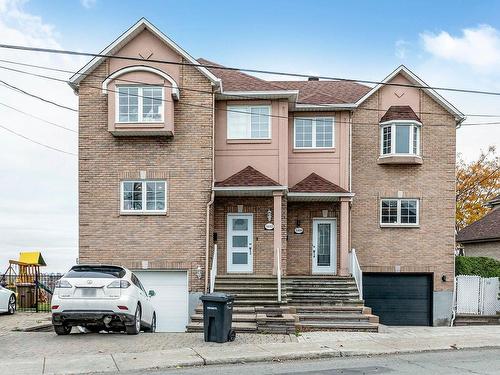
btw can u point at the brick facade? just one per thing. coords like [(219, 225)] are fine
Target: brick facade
[(172, 241), (430, 247)]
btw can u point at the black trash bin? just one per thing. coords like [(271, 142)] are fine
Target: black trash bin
[(218, 317)]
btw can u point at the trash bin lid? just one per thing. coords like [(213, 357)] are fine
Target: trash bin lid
[(217, 297)]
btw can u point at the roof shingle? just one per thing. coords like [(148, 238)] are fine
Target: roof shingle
[(316, 184), (310, 92), (486, 228), (400, 112), (247, 177)]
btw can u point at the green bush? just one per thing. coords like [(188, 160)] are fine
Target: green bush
[(479, 266)]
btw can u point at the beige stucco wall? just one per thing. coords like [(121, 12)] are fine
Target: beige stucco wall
[(483, 249), (430, 247)]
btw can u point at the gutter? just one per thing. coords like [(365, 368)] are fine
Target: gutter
[(211, 201)]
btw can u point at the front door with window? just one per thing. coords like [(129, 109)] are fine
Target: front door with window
[(324, 254), (239, 242)]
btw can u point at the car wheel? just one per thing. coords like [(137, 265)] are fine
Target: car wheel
[(152, 328), (62, 330), (135, 327), (12, 305)]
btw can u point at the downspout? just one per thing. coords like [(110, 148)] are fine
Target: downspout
[(211, 201), (350, 176)]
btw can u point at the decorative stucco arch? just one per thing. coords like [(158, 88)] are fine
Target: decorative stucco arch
[(141, 68)]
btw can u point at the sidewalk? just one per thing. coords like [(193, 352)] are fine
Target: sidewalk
[(309, 345)]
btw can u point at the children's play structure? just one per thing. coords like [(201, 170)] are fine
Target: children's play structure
[(23, 276)]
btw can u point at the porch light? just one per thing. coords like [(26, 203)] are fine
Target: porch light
[(269, 215)]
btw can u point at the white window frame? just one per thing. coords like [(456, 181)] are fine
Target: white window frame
[(313, 119), (144, 210), (248, 108), (398, 222), (140, 96), (393, 125)]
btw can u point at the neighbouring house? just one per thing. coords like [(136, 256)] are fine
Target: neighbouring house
[(179, 157), (482, 238)]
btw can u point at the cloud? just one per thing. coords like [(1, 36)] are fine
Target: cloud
[(88, 3), (478, 47), (401, 48), (40, 185)]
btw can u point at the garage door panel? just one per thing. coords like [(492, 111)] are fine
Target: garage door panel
[(399, 299), (170, 300)]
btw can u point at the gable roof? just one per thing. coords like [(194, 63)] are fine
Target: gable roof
[(123, 39), (247, 177), (316, 184), (408, 74), (400, 112), (485, 229)]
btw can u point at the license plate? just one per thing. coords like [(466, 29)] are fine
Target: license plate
[(88, 292)]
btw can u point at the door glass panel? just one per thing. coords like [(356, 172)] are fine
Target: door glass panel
[(240, 224), (240, 241), (240, 258), (324, 244)]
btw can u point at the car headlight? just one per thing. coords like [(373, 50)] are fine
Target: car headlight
[(119, 284)]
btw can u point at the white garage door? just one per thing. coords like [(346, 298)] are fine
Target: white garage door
[(170, 300)]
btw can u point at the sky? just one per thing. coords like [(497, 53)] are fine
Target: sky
[(446, 43)]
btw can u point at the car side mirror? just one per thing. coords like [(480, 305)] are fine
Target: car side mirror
[(151, 293)]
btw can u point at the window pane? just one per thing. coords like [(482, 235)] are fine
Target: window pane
[(408, 211), (240, 224), (132, 195), (259, 122), (415, 139), (152, 104), (402, 139), (324, 132), (240, 258), (128, 104), (303, 133), (238, 122), (389, 211), (324, 244), (155, 195), (240, 241), (386, 140)]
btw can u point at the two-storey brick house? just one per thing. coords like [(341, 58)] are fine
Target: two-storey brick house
[(179, 156)]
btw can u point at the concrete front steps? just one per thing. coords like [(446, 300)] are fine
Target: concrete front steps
[(309, 303), (476, 320), (244, 320), (336, 318)]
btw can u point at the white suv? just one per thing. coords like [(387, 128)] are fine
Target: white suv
[(100, 297)]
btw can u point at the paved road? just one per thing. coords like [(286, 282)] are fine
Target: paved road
[(457, 362)]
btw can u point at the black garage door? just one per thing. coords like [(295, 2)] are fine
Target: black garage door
[(398, 298)]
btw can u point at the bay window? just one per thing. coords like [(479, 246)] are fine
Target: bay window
[(400, 138), (143, 196), (248, 122), (399, 212), (139, 104), (314, 133)]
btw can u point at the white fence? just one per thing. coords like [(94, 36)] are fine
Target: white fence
[(477, 295)]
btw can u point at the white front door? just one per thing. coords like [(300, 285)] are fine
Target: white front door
[(324, 246), (239, 242)]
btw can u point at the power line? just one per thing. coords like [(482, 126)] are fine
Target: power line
[(196, 90), (190, 104), (38, 143), (38, 118), (15, 88), (258, 71)]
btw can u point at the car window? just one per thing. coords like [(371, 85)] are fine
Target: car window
[(137, 283), (96, 272)]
